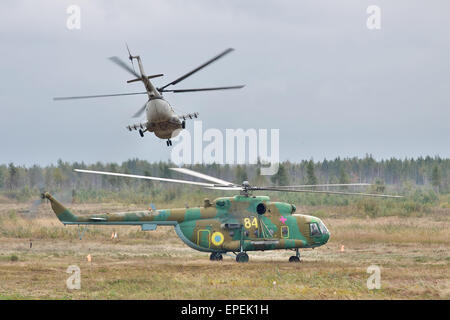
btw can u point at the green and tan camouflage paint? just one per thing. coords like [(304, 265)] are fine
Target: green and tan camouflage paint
[(223, 225)]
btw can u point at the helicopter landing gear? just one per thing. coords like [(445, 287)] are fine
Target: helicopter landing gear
[(242, 257), (216, 256), (169, 143), (295, 258)]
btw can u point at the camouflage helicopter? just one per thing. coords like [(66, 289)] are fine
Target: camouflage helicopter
[(237, 224), (161, 118)]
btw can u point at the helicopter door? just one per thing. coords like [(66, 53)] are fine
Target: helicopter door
[(203, 236)]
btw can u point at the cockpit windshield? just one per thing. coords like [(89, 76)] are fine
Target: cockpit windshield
[(318, 229), (323, 228), (314, 229)]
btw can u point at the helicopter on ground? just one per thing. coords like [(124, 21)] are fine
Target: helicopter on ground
[(237, 224), (161, 118)]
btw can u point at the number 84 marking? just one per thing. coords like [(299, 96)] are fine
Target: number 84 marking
[(248, 223)]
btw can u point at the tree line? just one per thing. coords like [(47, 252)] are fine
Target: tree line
[(423, 171)]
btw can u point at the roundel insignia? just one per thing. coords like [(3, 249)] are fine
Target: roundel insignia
[(217, 238)]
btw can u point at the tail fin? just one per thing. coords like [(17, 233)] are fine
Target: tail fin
[(62, 213)]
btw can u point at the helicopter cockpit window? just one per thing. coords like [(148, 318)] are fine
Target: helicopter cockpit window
[(323, 229), (314, 228)]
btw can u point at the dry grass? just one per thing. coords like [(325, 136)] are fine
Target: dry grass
[(412, 252)]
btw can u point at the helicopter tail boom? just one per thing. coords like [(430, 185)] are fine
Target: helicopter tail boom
[(145, 218), (62, 213)]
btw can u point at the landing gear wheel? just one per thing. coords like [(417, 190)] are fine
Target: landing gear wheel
[(295, 258), (183, 125), (216, 256), (141, 133), (242, 257), (169, 143)]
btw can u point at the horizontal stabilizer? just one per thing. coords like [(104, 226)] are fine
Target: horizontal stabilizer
[(148, 77)]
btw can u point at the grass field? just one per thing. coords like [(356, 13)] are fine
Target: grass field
[(412, 253)]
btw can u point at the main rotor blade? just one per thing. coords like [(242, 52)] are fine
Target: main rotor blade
[(98, 96), (232, 188), (197, 69), (202, 176), (203, 89), (322, 185), (328, 192), (140, 111), (123, 65), (145, 177)]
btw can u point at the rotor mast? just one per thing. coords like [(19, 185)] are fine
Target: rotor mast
[(245, 189)]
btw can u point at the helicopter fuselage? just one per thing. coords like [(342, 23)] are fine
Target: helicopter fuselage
[(228, 224), (162, 119)]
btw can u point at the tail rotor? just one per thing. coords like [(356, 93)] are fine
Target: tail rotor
[(65, 196), (130, 57)]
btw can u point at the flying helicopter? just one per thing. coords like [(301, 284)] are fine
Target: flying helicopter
[(161, 118), (236, 224)]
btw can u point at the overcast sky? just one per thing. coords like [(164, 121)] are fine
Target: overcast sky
[(312, 69)]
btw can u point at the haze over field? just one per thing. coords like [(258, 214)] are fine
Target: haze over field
[(312, 69)]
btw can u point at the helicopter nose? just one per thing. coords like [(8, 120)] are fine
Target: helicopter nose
[(325, 232), (326, 237)]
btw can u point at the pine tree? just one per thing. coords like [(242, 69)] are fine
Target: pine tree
[(258, 179), (343, 176), (13, 176), (280, 178), (241, 174), (2, 177), (436, 178), (312, 179), (379, 185)]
